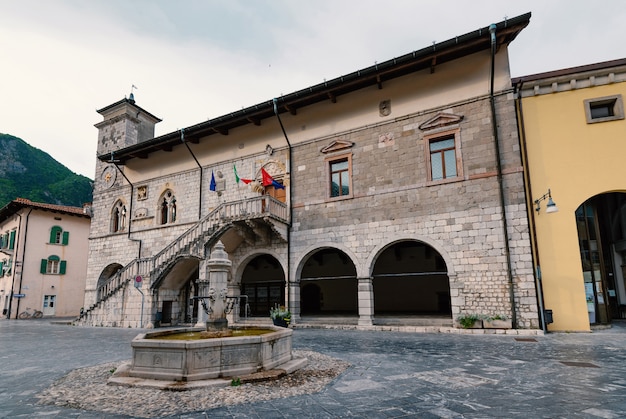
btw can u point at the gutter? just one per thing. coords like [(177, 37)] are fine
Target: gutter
[(530, 209), (275, 101), (130, 206), (182, 138), (505, 226)]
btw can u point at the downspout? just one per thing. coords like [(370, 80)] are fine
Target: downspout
[(182, 138), (505, 226), (22, 263), (130, 206), (530, 210), (290, 198)]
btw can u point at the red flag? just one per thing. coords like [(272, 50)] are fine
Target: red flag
[(269, 180)]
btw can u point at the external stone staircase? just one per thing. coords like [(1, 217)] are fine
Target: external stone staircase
[(192, 242)]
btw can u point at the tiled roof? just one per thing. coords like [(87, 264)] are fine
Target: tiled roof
[(19, 203)]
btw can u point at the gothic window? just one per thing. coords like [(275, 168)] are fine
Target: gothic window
[(167, 208), (118, 217)]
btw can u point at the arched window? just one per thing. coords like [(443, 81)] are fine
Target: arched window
[(167, 208), (58, 236), (118, 217)]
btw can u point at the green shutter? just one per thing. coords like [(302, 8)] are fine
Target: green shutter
[(1, 270), (44, 266), (12, 240), (66, 238), (62, 267)]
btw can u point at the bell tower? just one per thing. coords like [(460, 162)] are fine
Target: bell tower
[(124, 124)]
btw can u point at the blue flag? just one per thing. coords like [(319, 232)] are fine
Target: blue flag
[(213, 184)]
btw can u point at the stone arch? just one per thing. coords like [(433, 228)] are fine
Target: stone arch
[(361, 272), (263, 282), (328, 283), (107, 273), (375, 253), (173, 291), (410, 277)]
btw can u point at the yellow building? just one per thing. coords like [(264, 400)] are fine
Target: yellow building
[(573, 136)]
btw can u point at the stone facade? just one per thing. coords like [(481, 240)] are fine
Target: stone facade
[(392, 239)]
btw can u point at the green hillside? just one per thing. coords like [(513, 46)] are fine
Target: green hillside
[(27, 172)]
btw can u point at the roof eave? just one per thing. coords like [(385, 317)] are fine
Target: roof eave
[(438, 53)]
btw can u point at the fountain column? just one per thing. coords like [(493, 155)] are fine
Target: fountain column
[(203, 289), (219, 267)]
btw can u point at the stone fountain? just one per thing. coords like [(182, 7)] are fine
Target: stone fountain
[(158, 358)]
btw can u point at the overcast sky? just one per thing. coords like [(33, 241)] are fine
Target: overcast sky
[(192, 60)]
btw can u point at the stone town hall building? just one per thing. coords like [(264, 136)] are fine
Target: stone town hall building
[(390, 195)]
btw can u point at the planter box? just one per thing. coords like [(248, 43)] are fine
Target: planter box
[(478, 324), (497, 324)]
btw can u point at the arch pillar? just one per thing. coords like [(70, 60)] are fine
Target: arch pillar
[(293, 300), (365, 295)]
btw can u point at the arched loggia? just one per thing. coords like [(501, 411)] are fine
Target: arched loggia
[(411, 278)]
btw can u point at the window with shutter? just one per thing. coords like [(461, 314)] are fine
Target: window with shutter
[(55, 235), (12, 240)]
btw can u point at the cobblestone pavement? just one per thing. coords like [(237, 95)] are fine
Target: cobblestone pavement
[(391, 374)]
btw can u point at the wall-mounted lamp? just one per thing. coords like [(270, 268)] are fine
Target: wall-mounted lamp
[(550, 206)]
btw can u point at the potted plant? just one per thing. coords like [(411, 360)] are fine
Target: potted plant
[(498, 321), (470, 321), (280, 316)]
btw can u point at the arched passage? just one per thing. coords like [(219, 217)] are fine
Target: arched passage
[(176, 287), (107, 273), (601, 225), (263, 282), (328, 284), (411, 278)]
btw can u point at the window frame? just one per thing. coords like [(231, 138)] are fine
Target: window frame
[(329, 161), (53, 265), (614, 102), (119, 219), (454, 134), (167, 208)]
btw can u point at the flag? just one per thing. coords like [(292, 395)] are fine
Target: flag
[(213, 184), (237, 178), (268, 180)]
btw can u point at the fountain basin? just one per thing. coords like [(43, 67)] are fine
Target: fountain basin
[(191, 360)]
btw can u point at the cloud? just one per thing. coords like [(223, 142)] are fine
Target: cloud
[(196, 60)]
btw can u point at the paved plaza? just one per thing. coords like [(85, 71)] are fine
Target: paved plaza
[(392, 374)]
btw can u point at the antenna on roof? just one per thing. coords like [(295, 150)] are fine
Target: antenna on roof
[(132, 96)]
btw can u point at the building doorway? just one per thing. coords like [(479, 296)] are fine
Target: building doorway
[(601, 225), (49, 305)]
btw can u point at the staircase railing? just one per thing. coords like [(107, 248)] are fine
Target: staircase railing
[(256, 207)]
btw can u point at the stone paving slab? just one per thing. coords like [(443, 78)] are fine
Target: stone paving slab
[(393, 374)]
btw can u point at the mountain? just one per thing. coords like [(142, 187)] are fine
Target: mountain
[(27, 172)]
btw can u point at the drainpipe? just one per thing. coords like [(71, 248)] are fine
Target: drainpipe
[(494, 123), (182, 138), (531, 213), (17, 311), (290, 197), (130, 206)]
